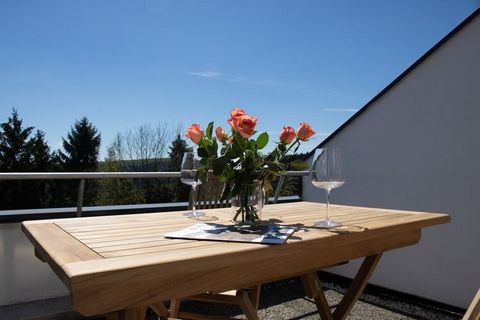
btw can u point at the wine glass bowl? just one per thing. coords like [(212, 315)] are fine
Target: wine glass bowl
[(189, 176), (327, 174)]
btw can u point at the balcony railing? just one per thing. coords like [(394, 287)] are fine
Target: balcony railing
[(82, 176)]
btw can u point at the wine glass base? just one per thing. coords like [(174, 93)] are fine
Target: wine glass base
[(204, 218), (200, 216), (327, 224), (192, 214)]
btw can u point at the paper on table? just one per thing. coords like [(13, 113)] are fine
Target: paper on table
[(266, 234)]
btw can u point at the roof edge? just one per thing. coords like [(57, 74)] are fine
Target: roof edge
[(400, 77)]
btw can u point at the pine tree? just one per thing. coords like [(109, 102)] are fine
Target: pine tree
[(40, 152), (20, 153), (81, 146), (177, 149), (41, 162), (14, 150)]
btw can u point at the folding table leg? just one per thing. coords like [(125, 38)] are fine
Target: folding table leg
[(135, 313), (174, 307), (314, 290), (356, 288), (247, 306), (160, 309)]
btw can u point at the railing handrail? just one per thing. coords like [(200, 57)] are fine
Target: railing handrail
[(85, 175), (102, 175), (82, 176)]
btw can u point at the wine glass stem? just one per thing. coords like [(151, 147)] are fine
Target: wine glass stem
[(328, 204), (194, 200)]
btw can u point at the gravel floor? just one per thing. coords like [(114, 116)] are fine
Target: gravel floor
[(286, 301)]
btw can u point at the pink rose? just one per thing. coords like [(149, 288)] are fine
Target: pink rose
[(305, 131), (221, 135), (195, 133), (287, 135), (246, 125), (235, 114)]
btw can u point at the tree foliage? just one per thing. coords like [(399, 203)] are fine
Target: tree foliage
[(144, 148), (117, 191), (20, 152), (81, 148), (140, 149), (178, 147)]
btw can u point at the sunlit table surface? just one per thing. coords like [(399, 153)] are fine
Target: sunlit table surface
[(119, 262)]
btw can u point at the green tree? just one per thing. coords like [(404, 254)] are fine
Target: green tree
[(81, 147), (117, 191), (41, 161), (14, 147), (178, 147), (21, 153)]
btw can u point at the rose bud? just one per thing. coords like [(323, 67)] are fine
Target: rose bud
[(221, 135), (305, 131), (287, 135), (195, 133)]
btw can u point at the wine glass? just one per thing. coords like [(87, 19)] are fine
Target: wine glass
[(327, 175), (189, 176)]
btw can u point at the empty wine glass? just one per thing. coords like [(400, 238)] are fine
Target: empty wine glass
[(327, 174), (189, 176)]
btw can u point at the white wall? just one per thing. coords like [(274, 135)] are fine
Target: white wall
[(418, 148), (22, 276)]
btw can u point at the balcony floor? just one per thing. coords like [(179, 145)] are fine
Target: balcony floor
[(285, 300)]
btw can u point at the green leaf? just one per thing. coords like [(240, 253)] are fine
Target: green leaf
[(218, 166), (215, 147), (252, 145), (262, 140), (299, 164), (202, 152), (209, 130)]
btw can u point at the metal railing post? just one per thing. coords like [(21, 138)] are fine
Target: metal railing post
[(81, 189)]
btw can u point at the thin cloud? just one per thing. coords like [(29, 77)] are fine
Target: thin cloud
[(205, 74), (214, 75), (340, 110)]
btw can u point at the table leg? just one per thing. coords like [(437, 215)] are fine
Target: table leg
[(174, 307), (247, 306), (135, 313), (160, 309), (314, 290)]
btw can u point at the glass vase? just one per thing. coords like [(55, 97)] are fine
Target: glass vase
[(248, 204)]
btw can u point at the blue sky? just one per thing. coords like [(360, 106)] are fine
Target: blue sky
[(126, 63)]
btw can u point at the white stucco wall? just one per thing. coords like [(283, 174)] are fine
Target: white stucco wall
[(22, 276), (418, 148)]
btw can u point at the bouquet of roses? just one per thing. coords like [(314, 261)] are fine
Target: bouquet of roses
[(235, 157)]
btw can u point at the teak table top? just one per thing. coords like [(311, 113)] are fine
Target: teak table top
[(113, 262)]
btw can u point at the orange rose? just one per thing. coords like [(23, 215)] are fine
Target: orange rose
[(221, 135), (305, 131), (287, 135), (246, 125), (235, 114), (195, 133)]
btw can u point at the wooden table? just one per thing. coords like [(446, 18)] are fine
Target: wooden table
[(124, 263)]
